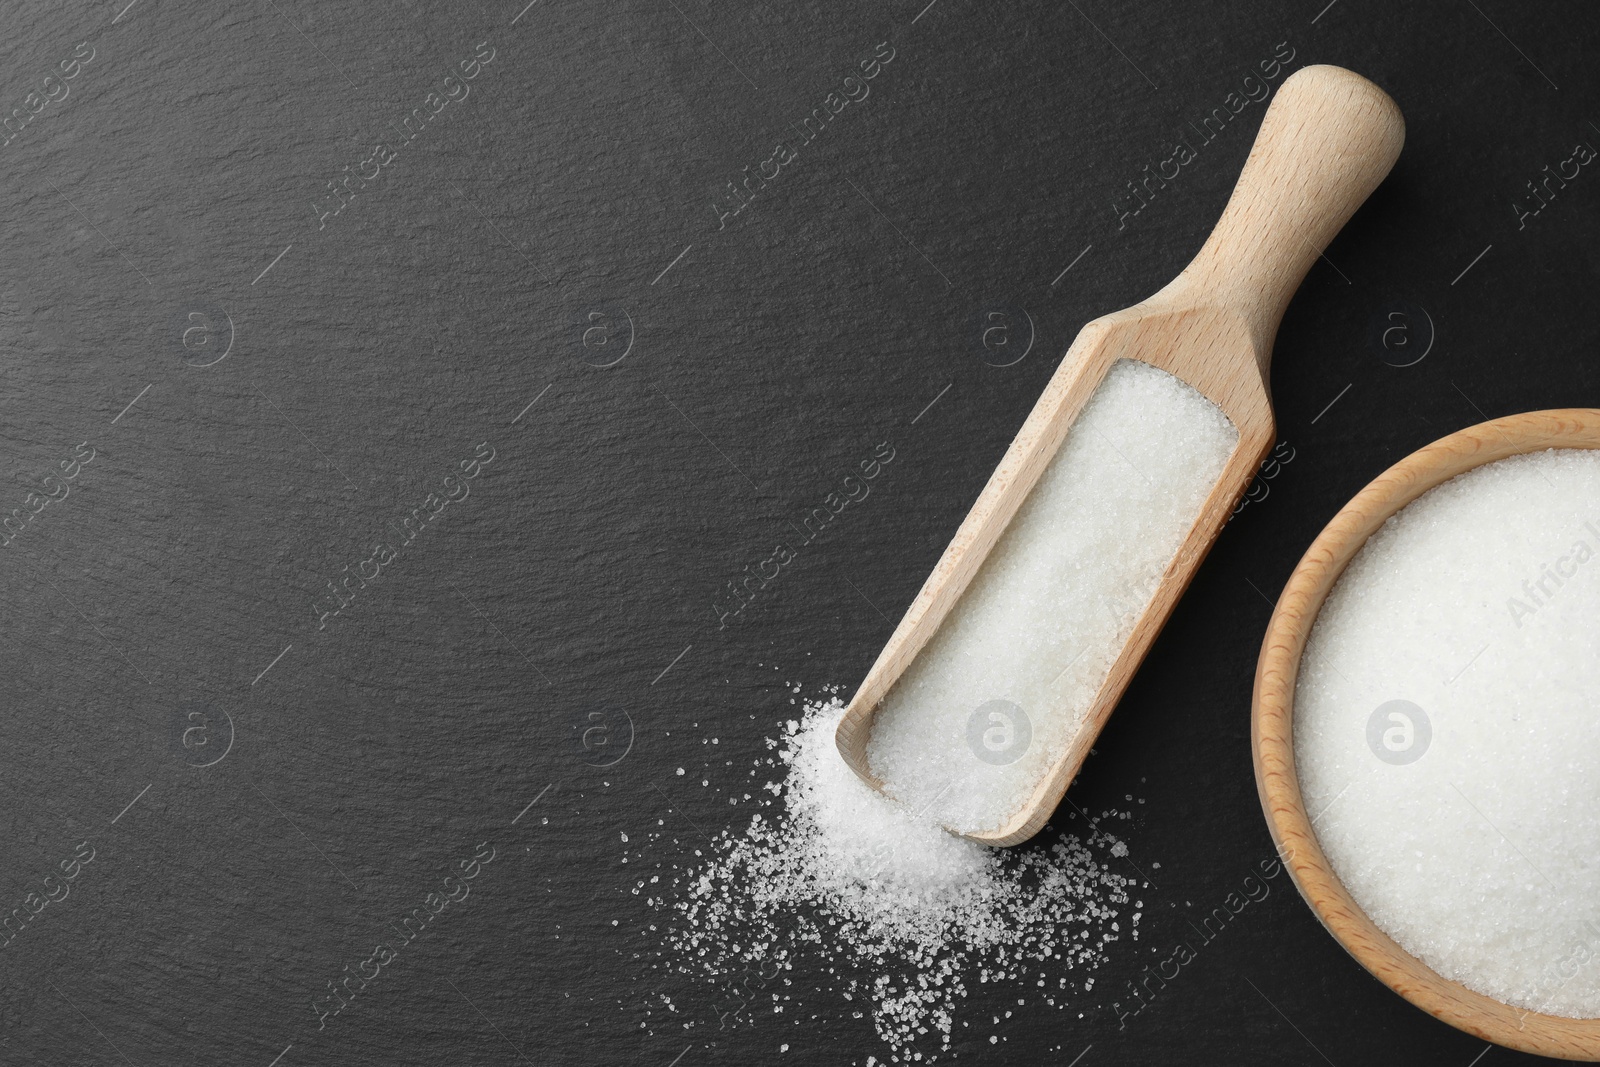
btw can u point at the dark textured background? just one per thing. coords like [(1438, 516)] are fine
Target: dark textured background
[(767, 361)]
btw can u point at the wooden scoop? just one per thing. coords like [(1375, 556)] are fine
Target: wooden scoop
[(1327, 140)]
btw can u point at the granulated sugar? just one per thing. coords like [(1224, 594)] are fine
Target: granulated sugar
[(993, 700), (903, 914), (1447, 733)]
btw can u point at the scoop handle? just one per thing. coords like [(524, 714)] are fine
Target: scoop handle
[(1327, 140)]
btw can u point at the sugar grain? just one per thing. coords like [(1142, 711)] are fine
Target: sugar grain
[(1447, 736), (901, 914), (1000, 690)]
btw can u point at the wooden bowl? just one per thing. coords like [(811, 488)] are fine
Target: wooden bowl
[(1272, 731)]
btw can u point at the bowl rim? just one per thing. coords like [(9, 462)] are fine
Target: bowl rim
[(1272, 730)]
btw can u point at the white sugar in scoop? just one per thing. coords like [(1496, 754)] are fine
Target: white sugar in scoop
[(1447, 730), (986, 698), (1004, 686)]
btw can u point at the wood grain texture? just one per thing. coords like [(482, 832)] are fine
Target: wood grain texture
[(1272, 730), (1326, 142)]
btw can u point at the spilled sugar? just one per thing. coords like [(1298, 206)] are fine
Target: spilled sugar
[(994, 699), (902, 914), (1462, 819)]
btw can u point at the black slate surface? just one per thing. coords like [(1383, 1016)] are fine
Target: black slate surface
[(538, 263)]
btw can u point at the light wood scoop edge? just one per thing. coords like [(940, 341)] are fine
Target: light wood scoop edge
[(1272, 731), (1326, 141)]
